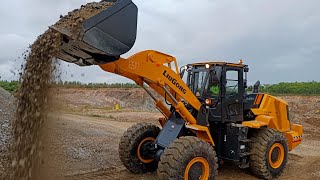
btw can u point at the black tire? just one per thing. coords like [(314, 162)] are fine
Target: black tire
[(176, 159), (129, 144), (269, 153)]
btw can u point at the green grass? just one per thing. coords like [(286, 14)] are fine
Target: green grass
[(283, 88), (291, 88), (10, 86)]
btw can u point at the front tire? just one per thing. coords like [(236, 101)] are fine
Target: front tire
[(132, 148), (269, 153), (188, 158)]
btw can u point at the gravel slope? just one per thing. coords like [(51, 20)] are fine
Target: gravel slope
[(6, 115)]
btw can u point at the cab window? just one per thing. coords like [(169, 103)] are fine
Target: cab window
[(232, 82), (196, 80)]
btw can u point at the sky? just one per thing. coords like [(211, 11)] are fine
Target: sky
[(279, 40)]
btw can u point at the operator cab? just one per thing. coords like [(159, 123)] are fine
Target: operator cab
[(221, 87)]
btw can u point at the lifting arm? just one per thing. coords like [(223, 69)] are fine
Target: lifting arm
[(154, 68)]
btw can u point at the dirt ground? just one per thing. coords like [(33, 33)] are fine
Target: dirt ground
[(90, 150), (86, 137), (84, 132)]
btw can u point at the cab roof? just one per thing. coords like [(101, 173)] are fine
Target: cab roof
[(221, 63)]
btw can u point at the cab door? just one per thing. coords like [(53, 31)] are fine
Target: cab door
[(232, 94)]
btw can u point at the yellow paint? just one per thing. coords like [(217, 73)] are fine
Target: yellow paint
[(294, 136), (139, 150), (204, 167), (117, 106), (202, 132), (272, 113), (276, 164), (162, 108)]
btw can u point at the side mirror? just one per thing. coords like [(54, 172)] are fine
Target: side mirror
[(256, 87), (246, 69), (245, 85)]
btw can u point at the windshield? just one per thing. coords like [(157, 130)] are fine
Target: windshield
[(204, 82), (212, 87)]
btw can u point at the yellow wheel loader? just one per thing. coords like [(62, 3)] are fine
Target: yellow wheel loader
[(208, 118)]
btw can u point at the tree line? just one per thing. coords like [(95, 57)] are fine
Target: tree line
[(11, 86), (294, 88), (285, 88)]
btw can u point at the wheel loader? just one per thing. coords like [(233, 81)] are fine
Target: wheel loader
[(208, 118)]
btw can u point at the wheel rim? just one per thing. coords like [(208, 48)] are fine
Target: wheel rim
[(197, 168), (140, 156), (276, 155)]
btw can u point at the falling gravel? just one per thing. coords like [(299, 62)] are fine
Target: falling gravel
[(32, 104)]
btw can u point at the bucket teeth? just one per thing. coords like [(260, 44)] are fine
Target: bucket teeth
[(103, 37)]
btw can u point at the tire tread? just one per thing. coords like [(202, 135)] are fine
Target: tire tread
[(177, 152), (260, 142), (127, 143)]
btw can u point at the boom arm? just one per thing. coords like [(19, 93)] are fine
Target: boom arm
[(154, 68)]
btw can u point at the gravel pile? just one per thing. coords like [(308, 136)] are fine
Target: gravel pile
[(7, 113), (72, 21)]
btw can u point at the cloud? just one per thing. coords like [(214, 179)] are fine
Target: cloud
[(279, 40)]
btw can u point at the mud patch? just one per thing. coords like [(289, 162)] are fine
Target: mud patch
[(294, 157), (313, 121)]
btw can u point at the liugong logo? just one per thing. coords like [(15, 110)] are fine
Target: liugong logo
[(174, 82)]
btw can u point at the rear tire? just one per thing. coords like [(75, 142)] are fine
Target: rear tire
[(269, 153), (188, 158), (131, 147)]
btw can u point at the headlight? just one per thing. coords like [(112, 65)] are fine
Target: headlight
[(208, 102)]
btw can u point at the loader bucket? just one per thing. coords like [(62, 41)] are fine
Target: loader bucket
[(103, 37)]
